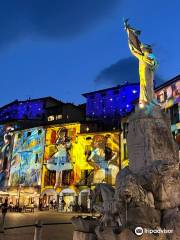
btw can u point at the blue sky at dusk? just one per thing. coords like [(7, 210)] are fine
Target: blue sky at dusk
[(65, 48)]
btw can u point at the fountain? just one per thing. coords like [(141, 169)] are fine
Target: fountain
[(145, 203)]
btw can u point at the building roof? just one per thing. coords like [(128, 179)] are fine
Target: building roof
[(107, 89), (167, 83), (45, 99)]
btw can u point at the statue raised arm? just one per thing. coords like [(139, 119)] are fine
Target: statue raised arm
[(147, 64)]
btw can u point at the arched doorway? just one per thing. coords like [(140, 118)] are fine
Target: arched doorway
[(67, 199), (48, 196)]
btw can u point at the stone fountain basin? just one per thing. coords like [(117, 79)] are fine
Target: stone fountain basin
[(85, 224)]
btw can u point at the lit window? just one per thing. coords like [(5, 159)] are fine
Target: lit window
[(28, 134), (51, 118), (58, 116)]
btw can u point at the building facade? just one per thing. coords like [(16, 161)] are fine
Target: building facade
[(50, 152), (57, 162), (168, 96)]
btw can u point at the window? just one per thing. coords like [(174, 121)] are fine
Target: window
[(174, 114), (59, 116), (125, 151), (50, 178), (51, 118), (86, 177), (158, 98), (125, 130), (28, 134), (67, 177), (165, 95), (39, 132)]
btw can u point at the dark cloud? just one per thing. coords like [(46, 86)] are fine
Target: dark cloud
[(50, 18), (125, 70)]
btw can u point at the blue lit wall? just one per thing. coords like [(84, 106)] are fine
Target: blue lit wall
[(23, 110), (112, 102)]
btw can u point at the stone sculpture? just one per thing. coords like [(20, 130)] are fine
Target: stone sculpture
[(147, 64)]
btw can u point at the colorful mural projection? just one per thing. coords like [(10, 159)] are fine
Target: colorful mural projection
[(27, 157), (96, 155), (6, 142), (170, 95), (58, 148)]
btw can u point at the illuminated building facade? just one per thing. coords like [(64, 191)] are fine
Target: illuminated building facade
[(58, 161), (41, 111), (113, 102), (75, 162), (22, 143), (113, 106), (49, 151), (168, 96)]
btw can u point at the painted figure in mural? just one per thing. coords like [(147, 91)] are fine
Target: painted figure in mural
[(147, 64), (101, 157), (97, 156), (61, 158), (5, 155), (110, 156), (102, 154)]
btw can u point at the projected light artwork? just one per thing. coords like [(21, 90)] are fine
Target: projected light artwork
[(58, 148), (27, 157), (22, 110), (97, 156), (6, 140), (113, 102)]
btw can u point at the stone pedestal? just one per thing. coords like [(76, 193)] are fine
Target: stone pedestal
[(87, 224), (108, 234), (83, 236), (84, 228), (149, 138), (145, 217)]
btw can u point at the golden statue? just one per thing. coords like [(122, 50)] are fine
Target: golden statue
[(147, 64)]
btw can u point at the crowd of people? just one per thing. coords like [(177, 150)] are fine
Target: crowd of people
[(16, 207), (62, 206)]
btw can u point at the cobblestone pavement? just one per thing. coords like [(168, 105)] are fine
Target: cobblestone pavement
[(52, 232)]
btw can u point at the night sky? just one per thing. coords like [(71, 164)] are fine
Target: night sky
[(63, 48)]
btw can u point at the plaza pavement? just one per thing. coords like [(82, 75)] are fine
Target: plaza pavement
[(52, 232)]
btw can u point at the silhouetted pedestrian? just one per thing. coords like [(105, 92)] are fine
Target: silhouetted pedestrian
[(4, 209)]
